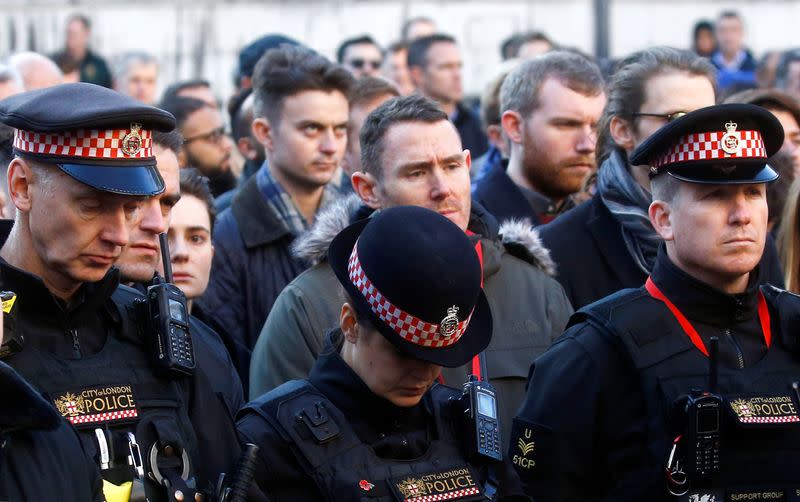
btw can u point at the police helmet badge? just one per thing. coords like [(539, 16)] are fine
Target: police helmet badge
[(449, 324), (132, 142), (730, 140)]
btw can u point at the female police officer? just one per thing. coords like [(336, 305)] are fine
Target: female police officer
[(366, 424)]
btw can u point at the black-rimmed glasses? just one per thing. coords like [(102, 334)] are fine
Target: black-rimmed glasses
[(214, 136)]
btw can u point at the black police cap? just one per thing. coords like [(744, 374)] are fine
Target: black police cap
[(416, 276), (719, 144), (98, 136)]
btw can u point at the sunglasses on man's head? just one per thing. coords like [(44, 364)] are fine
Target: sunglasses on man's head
[(359, 63), (669, 117)]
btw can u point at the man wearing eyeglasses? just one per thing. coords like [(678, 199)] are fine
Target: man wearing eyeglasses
[(362, 56), (206, 144), (610, 238), (550, 106)]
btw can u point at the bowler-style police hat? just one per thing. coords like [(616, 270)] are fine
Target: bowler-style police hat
[(98, 136), (718, 144), (417, 277)]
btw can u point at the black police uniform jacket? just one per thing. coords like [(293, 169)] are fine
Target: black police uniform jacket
[(592, 262), (597, 421), (381, 452), (92, 362), (40, 454)]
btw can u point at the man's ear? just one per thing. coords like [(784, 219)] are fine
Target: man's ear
[(366, 186), (660, 214), (245, 147), (622, 133), (348, 322), (263, 132), (20, 181), (511, 122)]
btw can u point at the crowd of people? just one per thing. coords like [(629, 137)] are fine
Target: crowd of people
[(580, 285)]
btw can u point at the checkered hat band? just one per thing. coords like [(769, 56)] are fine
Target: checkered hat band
[(708, 146), (770, 420), (408, 327), (103, 417), (446, 496), (83, 143)]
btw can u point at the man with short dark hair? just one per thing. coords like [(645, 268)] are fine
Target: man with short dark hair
[(361, 55), (93, 68), (735, 65), (689, 381), (435, 65), (550, 108), (206, 144), (136, 74), (197, 88), (301, 117), (411, 155), (395, 67), (367, 94)]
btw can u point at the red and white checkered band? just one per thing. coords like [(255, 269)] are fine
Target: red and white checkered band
[(86, 143), (446, 496), (708, 146), (103, 417), (770, 420), (410, 328)]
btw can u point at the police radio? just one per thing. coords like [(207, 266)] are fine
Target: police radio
[(480, 409), (168, 321), (695, 455), (704, 418)]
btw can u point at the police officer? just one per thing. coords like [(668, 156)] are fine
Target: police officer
[(367, 423), (82, 170), (633, 402)]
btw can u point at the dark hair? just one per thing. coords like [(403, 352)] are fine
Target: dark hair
[(413, 108), (289, 70), (510, 46), (729, 14), (418, 49), (175, 89), (778, 190), (181, 107), (701, 25), (84, 20), (400, 45), (241, 116), (407, 25), (520, 90), (771, 99), (171, 140), (626, 89), (360, 40), (782, 71), (490, 100), (367, 89), (195, 184)]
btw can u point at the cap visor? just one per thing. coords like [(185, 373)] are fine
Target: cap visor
[(741, 175), (125, 180), (474, 340)]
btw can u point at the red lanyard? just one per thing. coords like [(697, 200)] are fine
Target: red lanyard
[(763, 316), (476, 361)]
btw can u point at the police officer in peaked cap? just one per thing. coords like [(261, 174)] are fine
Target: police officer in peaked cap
[(370, 422), (82, 168), (684, 388)]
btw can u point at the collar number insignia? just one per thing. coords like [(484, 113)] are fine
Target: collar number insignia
[(132, 142), (365, 485), (730, 140), (449, 324)]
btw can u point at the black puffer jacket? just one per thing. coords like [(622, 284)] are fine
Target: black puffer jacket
[(40, 454)]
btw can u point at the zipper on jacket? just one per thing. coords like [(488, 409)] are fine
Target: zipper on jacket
[(736, 347), (76, 344)]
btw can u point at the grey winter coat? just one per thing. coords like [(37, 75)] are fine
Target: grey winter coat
[(529, 307)]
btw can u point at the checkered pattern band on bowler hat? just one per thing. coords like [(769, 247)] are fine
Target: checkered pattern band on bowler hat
[(408, 327), (709, 146), (89, 144)]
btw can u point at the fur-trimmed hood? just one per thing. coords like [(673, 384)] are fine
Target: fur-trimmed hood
[(519, 237)]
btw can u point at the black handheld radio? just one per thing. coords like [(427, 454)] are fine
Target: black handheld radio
[(168, 321), (703, 423), (481, 411)]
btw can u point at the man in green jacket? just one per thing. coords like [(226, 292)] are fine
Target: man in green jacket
[(412, 155)]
